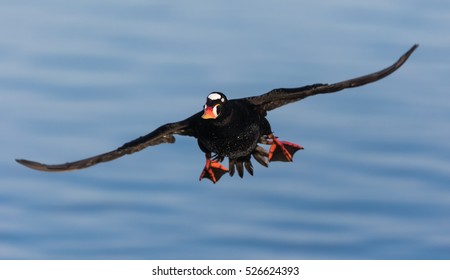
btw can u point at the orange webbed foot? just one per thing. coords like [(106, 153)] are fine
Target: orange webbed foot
[(281, 150), (213, 170)]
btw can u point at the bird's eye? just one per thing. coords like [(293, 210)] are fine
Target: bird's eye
[(217, 109)]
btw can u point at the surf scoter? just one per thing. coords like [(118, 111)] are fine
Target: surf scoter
[(229, 128)]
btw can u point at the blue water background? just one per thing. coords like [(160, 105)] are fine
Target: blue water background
[(79, 78)]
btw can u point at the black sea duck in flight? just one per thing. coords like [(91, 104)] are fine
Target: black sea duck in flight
[(229, 128)]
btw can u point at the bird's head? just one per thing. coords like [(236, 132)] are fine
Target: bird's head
[(214, 105)]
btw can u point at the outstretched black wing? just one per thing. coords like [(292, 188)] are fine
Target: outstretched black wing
[(163, 134), (282, 96)]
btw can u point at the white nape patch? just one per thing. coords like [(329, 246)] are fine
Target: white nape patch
[(214, 96)]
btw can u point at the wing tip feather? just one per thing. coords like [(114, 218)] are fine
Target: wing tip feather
[(33, 165)]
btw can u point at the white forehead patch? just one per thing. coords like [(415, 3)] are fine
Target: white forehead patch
[(214, 96)]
